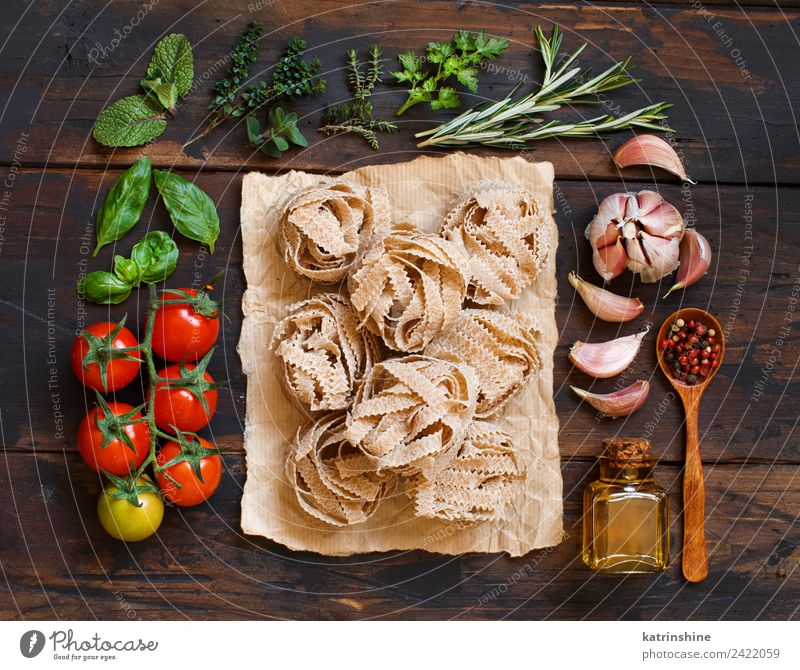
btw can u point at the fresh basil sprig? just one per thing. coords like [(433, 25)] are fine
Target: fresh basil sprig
[(124, 203), (191, 209), (139, 119), (153, 259)]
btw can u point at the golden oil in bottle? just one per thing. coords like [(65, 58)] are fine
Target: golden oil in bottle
[(625, 513)]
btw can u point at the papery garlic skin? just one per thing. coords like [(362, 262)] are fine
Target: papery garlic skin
[(602, 360), (605, 305), (650, 150), (695, 255), (619, 403), (640, 231)]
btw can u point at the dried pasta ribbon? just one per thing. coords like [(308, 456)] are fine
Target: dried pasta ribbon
[(502, 348), (478, 484), (323, 352), (408, 287), (411, 414), (333, 481), (325, 229), (503, 233)]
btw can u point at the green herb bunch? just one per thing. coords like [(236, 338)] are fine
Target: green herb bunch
[(357, 116), (514, 122), (460, 59), (138, 119), (291, 77)]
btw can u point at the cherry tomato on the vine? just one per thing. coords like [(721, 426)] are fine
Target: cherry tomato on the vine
[(124, 520), (126, 444), (190, 489), (185, 332), (104, 356), (180, 406)]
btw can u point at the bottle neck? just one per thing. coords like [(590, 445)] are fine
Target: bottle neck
[(626, 472)]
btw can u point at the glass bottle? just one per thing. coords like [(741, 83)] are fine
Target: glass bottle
[(625, 513)]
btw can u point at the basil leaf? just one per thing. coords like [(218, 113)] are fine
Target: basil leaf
[(103, 288), (156, 256), (124, 203), (173, 63), (165, 91), (191, 209), (129, 122), (127, 270)]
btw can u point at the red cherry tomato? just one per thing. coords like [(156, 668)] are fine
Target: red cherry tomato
[(116, 457), (182, 334), (190, 490), (104, 350), (178, 407)]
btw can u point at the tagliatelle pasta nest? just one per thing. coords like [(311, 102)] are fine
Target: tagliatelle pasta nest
[(334, 481), (503, 234), (502, 349), (411, 414), (324, 230), (478, 484), (408, 287), (323, 352)]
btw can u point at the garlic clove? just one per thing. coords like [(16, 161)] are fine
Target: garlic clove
[(606, 359), (619, 403), (650, 150), (695, 257), (658, 217), (610, 261), (661, 256), (604, 304)]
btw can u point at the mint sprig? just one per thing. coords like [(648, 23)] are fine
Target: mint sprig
[(139, 119)]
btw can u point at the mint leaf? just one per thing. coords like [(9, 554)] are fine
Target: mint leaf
[(123, 206), (172, 62), (129, 122), (165, 91), (191, 209)]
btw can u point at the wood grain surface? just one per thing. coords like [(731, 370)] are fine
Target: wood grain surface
[(738, 134)]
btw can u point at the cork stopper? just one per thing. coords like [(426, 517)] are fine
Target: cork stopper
[(623, 450)]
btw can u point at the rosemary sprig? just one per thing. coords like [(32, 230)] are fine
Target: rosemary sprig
[(357, 116), (512, 123)]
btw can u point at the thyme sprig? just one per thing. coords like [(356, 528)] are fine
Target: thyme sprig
[(513, 122), (357, 116)]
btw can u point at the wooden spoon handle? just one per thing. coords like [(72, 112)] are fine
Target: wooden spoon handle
[(695, 562)]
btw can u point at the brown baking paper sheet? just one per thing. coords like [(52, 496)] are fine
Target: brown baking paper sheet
[(421, 192)]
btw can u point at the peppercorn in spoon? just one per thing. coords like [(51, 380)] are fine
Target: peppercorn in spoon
[(690, 348)]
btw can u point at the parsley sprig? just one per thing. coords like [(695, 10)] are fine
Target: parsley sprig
[(460, 58)]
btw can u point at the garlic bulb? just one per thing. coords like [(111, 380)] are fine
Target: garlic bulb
[(640, 231)]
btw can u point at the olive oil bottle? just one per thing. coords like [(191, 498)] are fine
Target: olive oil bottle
[(626, 513)]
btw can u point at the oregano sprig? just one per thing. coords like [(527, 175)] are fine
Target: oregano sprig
[(357, 116)]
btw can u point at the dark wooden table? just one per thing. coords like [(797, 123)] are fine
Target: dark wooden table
[(731, 71)]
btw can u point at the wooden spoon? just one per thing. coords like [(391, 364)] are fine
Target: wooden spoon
[(695, 562)]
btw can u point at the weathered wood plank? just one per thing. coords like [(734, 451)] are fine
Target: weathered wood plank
[(752, 285), (733, 98), (200, 565)]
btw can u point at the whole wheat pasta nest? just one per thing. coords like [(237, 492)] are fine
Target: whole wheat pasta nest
[(332, 480), (325, 229), (411, 414), (323, 352), (504, 237), (408, 287)]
